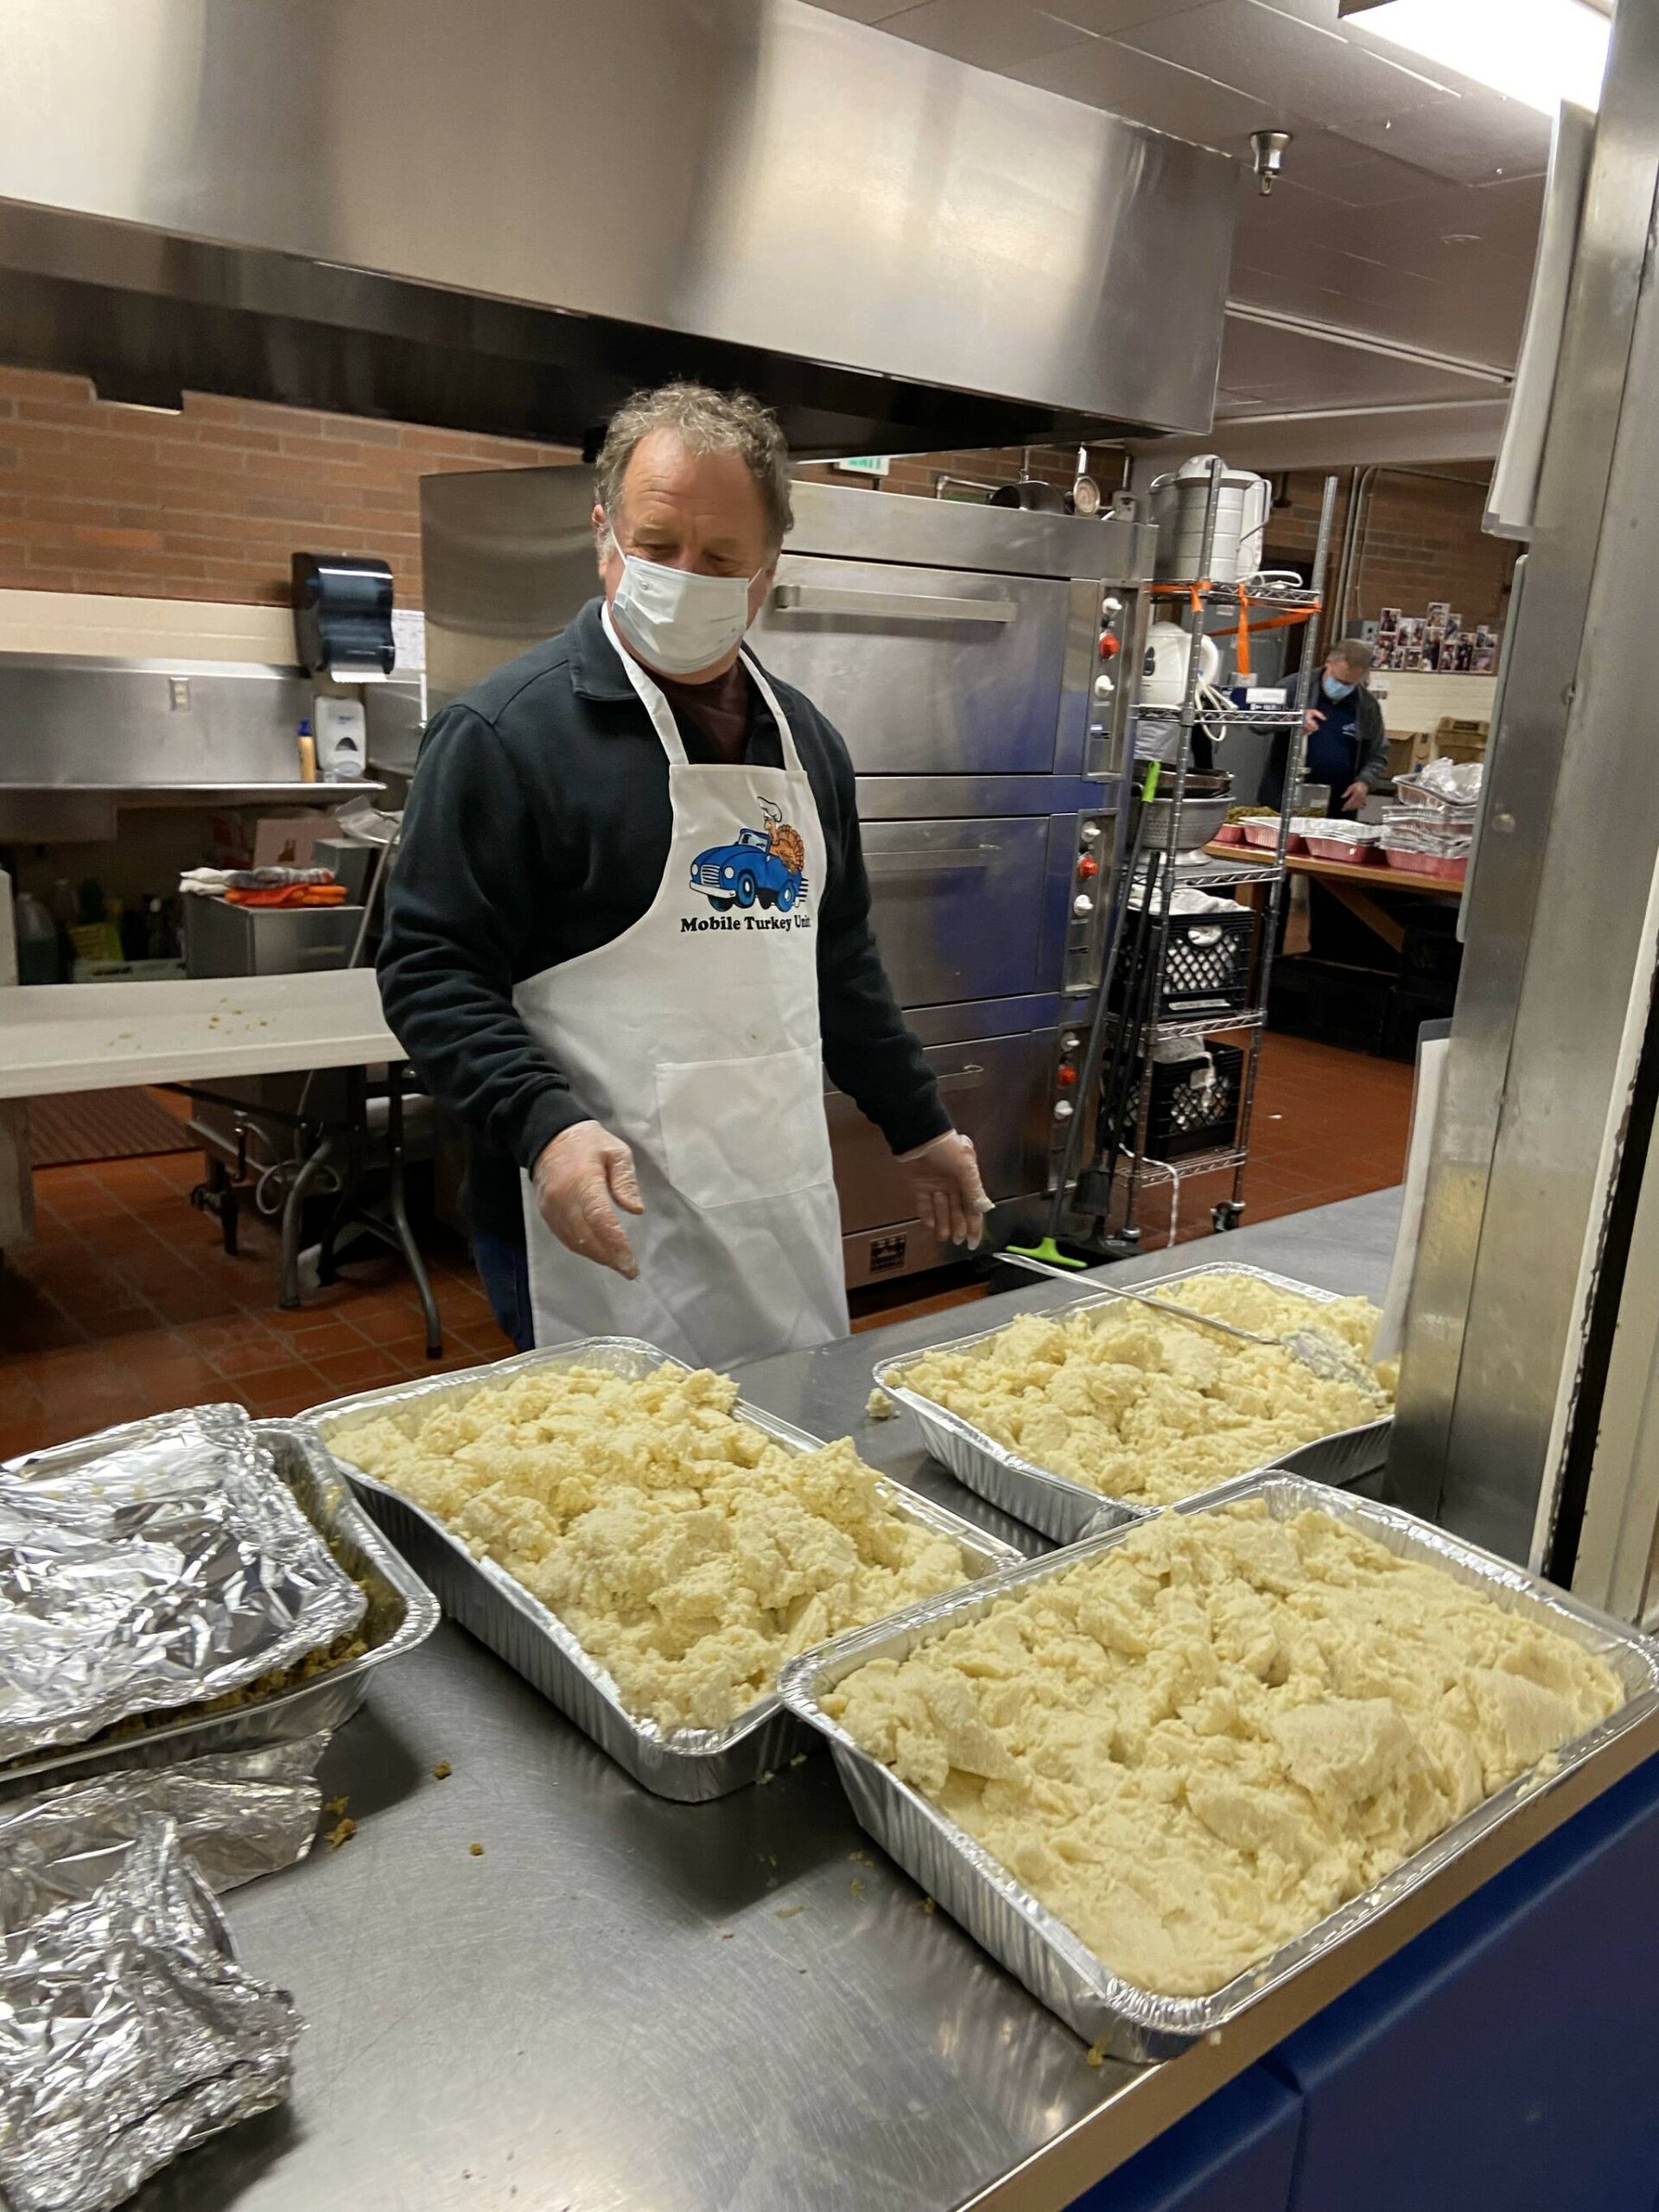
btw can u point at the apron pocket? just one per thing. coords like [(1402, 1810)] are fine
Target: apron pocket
[(740, 1130)]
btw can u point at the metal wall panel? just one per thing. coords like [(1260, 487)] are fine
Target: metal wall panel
[(1555, 906)]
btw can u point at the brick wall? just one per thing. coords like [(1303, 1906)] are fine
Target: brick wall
[(1423, 541), (209, 503)]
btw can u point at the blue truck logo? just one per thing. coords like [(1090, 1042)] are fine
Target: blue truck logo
[(765, 868)]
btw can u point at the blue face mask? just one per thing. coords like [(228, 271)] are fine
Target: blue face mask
[(1332, 689)]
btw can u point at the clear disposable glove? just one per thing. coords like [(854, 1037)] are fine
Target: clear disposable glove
[(581, 1180), (944, 1184)]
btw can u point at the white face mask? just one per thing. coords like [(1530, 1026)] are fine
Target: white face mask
[(677, 622)]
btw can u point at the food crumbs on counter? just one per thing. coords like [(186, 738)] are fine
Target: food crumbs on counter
[(1094, 2055), (1214, 2037), (336, 1806), (341, 1833), (856, 1886), (789, 1912), (477, 1850), (880, 1407), (858, 1854), (442, 1771), (726, 1934), (799, 1759), (766, 1777), (928, 1905)]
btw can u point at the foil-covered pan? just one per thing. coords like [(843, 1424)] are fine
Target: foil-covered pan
[(399, 1613), (1041, 1951), (692, 1765), (237, 1814), (150, 1571), (1064, 1510), (128, 2032)]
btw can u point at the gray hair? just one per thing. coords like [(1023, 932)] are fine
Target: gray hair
[(1352, 652), (704, 421)]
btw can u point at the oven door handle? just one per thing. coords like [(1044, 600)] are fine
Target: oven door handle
[(895, 859), (908, 606)]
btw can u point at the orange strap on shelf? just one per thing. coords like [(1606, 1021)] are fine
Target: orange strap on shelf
[(1282, 621)]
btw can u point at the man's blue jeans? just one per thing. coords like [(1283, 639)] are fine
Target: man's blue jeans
[(504, 1269)]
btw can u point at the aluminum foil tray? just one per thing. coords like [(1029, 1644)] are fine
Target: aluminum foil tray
[(1040, 1950), (690, 1765), (168, 1567), (401, 1613), (1064, 1510)]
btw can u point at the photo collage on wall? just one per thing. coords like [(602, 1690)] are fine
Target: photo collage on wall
[(1434, 640)]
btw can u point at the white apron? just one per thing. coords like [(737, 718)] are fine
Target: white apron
[(694, 1036)]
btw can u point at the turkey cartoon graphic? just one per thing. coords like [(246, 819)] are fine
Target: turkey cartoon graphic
[(764, 867)]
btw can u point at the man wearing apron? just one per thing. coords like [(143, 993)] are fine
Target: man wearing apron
[(629, 930)]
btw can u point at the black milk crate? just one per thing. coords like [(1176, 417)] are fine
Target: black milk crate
[(1184, 1115), (1331, 1004), (1430, 954), (1208, 967)]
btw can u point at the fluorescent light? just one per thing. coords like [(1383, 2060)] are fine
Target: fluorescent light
[(1540, 52)]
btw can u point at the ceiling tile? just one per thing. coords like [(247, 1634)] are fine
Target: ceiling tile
[(861, 11), (1152, 91), (1325, 162), (1486, 138), (1292, 370), (990, 34), (1103, 17), (1295, 65)]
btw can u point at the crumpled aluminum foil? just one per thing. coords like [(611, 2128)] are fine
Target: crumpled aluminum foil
[(172, 1567), (237, 1814), (128, 2032)]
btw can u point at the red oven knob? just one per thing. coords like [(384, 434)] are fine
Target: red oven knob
[(1088, 866), (1066, 1078)]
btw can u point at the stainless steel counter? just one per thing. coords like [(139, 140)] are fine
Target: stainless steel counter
[(625, 2006)]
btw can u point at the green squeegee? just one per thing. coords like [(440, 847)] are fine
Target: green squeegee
[(1048, 1251)]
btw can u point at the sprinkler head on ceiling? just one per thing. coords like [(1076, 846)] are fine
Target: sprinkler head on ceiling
[(1268, 147)]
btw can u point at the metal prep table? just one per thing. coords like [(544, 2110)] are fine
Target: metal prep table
[(626, 2005), (103, 1036)]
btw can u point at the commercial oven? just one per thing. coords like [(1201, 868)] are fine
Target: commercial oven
[(957, 648)]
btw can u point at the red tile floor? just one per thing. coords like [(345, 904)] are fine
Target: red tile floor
[(125, 1304)]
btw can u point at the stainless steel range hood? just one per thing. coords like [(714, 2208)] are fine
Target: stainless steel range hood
[(504, 215)]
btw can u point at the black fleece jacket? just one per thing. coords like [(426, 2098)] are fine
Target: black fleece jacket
[(537, 829)]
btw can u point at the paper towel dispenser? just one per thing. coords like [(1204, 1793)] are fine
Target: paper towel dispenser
[(342, 617)]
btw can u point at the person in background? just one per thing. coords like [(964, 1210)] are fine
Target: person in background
[(629, 930), (1347, 745)]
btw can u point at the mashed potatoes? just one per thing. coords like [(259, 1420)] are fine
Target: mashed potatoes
[(688, 1552), (1138, 1407), (1194, 1746)]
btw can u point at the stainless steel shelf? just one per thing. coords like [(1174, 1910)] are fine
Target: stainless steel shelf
[(1208, 872), (1210, 1025), (1236, 717), (1197, 1163), (129, 795)]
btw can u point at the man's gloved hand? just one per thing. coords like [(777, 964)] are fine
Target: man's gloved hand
[(1354, 796), (581, 1178), (945, 1186)]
